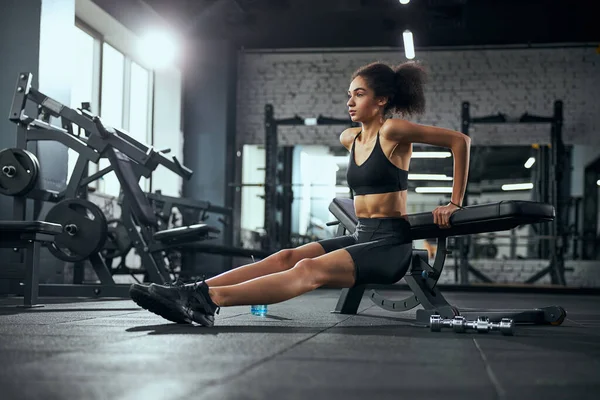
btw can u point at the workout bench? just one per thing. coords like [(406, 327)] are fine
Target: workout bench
[(27, 235), (422, 278)]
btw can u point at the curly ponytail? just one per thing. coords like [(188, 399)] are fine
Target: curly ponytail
[(403, 86)]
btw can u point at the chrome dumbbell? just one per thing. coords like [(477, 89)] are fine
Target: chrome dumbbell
[(460, 325), (506, 326), (436, 323)]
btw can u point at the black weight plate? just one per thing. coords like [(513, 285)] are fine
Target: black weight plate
[(19, 170), (36, 171), (91, 229)]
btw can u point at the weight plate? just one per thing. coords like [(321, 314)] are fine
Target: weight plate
[(118, 243), (562, 314), (19, 170), (84, 229)]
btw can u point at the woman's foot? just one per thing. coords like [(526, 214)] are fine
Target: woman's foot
[(140, 294), (190, 303)]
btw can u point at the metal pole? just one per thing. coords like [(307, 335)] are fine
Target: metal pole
[(270, 179)]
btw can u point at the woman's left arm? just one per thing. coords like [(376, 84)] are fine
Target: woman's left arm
[(406, 132)]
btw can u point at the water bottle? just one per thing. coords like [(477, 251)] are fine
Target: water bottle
[(260, 309)]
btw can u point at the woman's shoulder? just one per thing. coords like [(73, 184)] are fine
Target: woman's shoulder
[(348, 135), (392, 127)]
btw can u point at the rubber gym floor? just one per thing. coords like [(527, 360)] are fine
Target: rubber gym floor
[(111, 349)]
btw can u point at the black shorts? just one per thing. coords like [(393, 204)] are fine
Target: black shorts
[(380, 247)]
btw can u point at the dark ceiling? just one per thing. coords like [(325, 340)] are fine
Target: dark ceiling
[(365, 23)]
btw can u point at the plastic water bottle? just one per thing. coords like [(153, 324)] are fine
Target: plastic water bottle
[(259, 310)]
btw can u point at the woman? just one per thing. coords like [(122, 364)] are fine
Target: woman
[(380, 250)]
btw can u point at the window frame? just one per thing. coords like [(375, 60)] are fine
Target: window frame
[(96, 101)]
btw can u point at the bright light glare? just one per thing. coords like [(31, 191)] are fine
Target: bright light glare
[(529, 162), (433, 190), (431, 154), (429, 177), (159, 49), (598, 183), (404, 1), (409, 47), (517, 186)]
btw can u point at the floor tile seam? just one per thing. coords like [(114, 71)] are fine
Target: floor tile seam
[(499, 390), (235, 375), (90, 318)]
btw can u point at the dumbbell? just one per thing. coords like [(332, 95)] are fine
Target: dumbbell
[(460, 325)]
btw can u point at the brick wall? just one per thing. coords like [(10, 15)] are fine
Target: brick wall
[(511, 81), (578, 274)]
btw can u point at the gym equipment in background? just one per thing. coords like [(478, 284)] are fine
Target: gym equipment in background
[(82, 220), (552, 186)]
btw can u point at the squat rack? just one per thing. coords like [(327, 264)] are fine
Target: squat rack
[(552, 185), (278, 177)]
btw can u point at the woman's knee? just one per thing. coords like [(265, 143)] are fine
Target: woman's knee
[(308, 272), (285, 258)]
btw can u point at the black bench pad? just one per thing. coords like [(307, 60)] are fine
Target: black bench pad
[(490, 217), (19, 227), (185, 233)]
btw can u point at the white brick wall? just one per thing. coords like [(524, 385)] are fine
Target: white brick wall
[(511, 81)]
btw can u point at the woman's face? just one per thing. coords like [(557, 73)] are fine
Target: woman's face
[(362, 104)]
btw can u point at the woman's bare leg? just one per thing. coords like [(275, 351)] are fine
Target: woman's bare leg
[(278, 262), (334, 269)]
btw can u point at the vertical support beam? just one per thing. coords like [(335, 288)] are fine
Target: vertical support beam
[(287, 196), (543, 182), (464, 242), (560, 195), (270, 179), (32, 274), (589, 248)]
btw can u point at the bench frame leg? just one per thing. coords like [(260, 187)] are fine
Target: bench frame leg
[(350, 300), (422, 279), (32, 274)]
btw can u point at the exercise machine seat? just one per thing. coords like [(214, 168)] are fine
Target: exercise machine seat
[(183, 234), (490, 217), (20, 227)]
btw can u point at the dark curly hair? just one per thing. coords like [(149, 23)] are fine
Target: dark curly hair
[(402, 85)]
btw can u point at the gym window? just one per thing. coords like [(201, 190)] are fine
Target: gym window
[(119, 90)]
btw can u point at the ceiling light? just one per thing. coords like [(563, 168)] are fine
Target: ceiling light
[(433, 190), (404, 1), (409, 47), (529, 162), (431, 154), (517, 186), (429, 177)]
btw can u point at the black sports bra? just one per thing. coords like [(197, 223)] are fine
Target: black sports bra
[(377, 174)]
